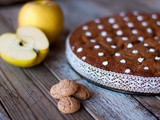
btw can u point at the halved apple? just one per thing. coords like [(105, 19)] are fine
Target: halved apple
[(27, 48)]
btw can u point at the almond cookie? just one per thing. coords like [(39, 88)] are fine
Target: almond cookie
[(64, 88), (54, 93), (83, 92), (68, 105)]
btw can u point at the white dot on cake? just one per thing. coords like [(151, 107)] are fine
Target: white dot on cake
[(146, 68), (111, 20), (156, 38), (139, 18), (154, 16), (88, 34), (157, 58), (105, 63), (122, 14), (158, 23), (97, 46), (93, 40), (152, 50), (149, 30), (117, 54), (145, 44), (126, 19), (100, 54), (97, 20), (100, 27), (113, 46), (124, 38), (123, 61), (140, 60), (119, 32), (109, 39), (135, 51), (141, 39), (134, 31), (144, 23), (135, 13), (127, 71), (83, 58), (104, 33), (115, 26), (130, 24), (130, 45), (85, 27), (80, 49)]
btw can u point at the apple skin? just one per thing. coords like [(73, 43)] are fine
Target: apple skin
[(46, 15)]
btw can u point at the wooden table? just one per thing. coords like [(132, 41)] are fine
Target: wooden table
[(24, 93)]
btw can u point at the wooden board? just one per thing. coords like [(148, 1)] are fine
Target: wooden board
[(25, 95), (3, 114)]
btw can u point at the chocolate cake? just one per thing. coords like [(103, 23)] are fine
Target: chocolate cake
[(127, 43)]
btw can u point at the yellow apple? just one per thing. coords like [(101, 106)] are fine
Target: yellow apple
[(46, 15), (27, 48)]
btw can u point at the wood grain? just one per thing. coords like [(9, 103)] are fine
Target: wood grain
[(3, 114), (25, 94)]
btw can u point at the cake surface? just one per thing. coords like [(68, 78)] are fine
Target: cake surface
[(127, 43)]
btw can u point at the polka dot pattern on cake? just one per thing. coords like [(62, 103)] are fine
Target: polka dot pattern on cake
[(129, 41), (88, 34)]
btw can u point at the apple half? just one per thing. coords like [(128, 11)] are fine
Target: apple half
[(27, 48)]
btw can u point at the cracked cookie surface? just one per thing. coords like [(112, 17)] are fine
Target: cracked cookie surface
[(68, 105), (83, 92), (64, 88)]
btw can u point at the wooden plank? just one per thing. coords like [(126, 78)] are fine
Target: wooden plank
[(19, 101), (3, 114), (78, 12), (151, 103), (152, 5), (25, 92)]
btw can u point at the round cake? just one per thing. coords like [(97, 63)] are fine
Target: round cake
[(121, 52)]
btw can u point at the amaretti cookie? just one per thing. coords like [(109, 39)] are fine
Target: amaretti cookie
[(64, 88), (68, 105), (83, 93), (121, 52)]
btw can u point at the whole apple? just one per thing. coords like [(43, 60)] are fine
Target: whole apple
[(46, 15)]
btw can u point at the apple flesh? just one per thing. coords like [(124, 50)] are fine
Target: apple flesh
[(27, 48)]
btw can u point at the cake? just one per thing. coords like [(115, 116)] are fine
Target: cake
[(120, 52)]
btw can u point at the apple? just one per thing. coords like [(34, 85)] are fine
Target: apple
[(46, 15), (27, 48)]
